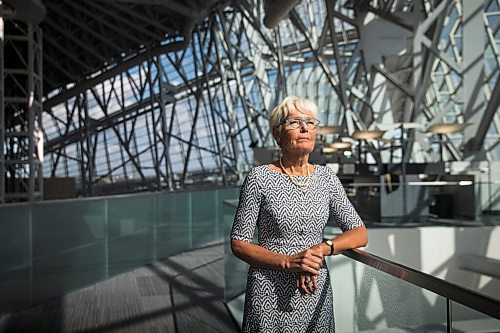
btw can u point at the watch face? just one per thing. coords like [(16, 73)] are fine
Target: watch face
[(330, 243)]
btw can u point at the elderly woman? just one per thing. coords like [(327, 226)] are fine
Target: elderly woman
[(290, 202)]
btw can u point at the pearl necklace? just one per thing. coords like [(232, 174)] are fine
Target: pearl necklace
[(302, 185)]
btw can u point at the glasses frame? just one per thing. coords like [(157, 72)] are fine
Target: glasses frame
[(301, 120)]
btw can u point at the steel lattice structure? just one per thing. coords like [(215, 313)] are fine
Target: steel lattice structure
[(190, 111), (21, 114)]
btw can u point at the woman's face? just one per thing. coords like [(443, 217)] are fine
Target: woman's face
[(299, 140)]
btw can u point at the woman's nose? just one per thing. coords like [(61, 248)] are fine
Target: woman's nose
[(303, 126)]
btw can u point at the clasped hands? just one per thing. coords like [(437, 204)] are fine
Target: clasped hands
[(307, 263)]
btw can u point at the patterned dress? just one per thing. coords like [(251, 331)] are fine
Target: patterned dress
[(289, 221)]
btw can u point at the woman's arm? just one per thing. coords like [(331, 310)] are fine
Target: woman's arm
[(309, 260), (347, 240), (354, 232)]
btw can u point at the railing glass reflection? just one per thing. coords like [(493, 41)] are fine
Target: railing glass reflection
[(50, 248)]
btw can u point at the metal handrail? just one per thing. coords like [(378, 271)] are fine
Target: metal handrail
[(450, 291)]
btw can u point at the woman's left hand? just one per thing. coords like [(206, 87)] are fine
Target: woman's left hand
[(306, 283)]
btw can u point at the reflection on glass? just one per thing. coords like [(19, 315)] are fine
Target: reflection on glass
[(466, 319), (50, 248)]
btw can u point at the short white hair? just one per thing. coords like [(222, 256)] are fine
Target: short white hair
[(282, 111)]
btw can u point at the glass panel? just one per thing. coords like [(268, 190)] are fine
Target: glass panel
[(15, 257), (66, 271), (15, 237), (466, 319), (62, 226), (173, 230), (77, 243), (131, 223), (69, 246), (489, 193), (225, 194), (205, 220), (368, 299), (228, 194), (15, 289)]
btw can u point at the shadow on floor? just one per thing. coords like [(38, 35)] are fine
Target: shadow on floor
[(182, 293)]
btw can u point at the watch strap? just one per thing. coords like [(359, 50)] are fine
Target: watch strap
[(329, 243)]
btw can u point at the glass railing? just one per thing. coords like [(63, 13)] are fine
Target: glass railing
[(388, 295), (374, 294), (50, 248)]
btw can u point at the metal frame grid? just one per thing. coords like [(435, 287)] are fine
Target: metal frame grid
[(189, 112), (21, 135)]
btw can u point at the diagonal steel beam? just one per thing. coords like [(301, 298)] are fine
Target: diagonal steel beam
[(297, 21), (116, 70), (398, 85)]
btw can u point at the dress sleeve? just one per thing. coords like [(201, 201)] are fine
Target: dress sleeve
[(341, 208), (247, 212)]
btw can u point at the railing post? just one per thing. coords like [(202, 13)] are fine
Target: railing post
[(448, 315)]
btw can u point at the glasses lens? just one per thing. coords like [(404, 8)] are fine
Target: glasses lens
[(294, 123), (312, 123)]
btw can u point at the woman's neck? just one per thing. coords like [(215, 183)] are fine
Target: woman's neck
[(296, 165)]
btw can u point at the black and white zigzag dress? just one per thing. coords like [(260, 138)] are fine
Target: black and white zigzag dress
[(289, 221)]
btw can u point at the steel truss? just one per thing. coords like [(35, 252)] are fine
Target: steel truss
[(21, 137), (167, 118)]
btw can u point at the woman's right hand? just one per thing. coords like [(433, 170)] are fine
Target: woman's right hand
[(306, 283), (308, 261)]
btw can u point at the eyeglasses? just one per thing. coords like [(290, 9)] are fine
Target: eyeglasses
[(294, 123)]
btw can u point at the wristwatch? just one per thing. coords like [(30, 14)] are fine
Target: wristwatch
[(330, 243)]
